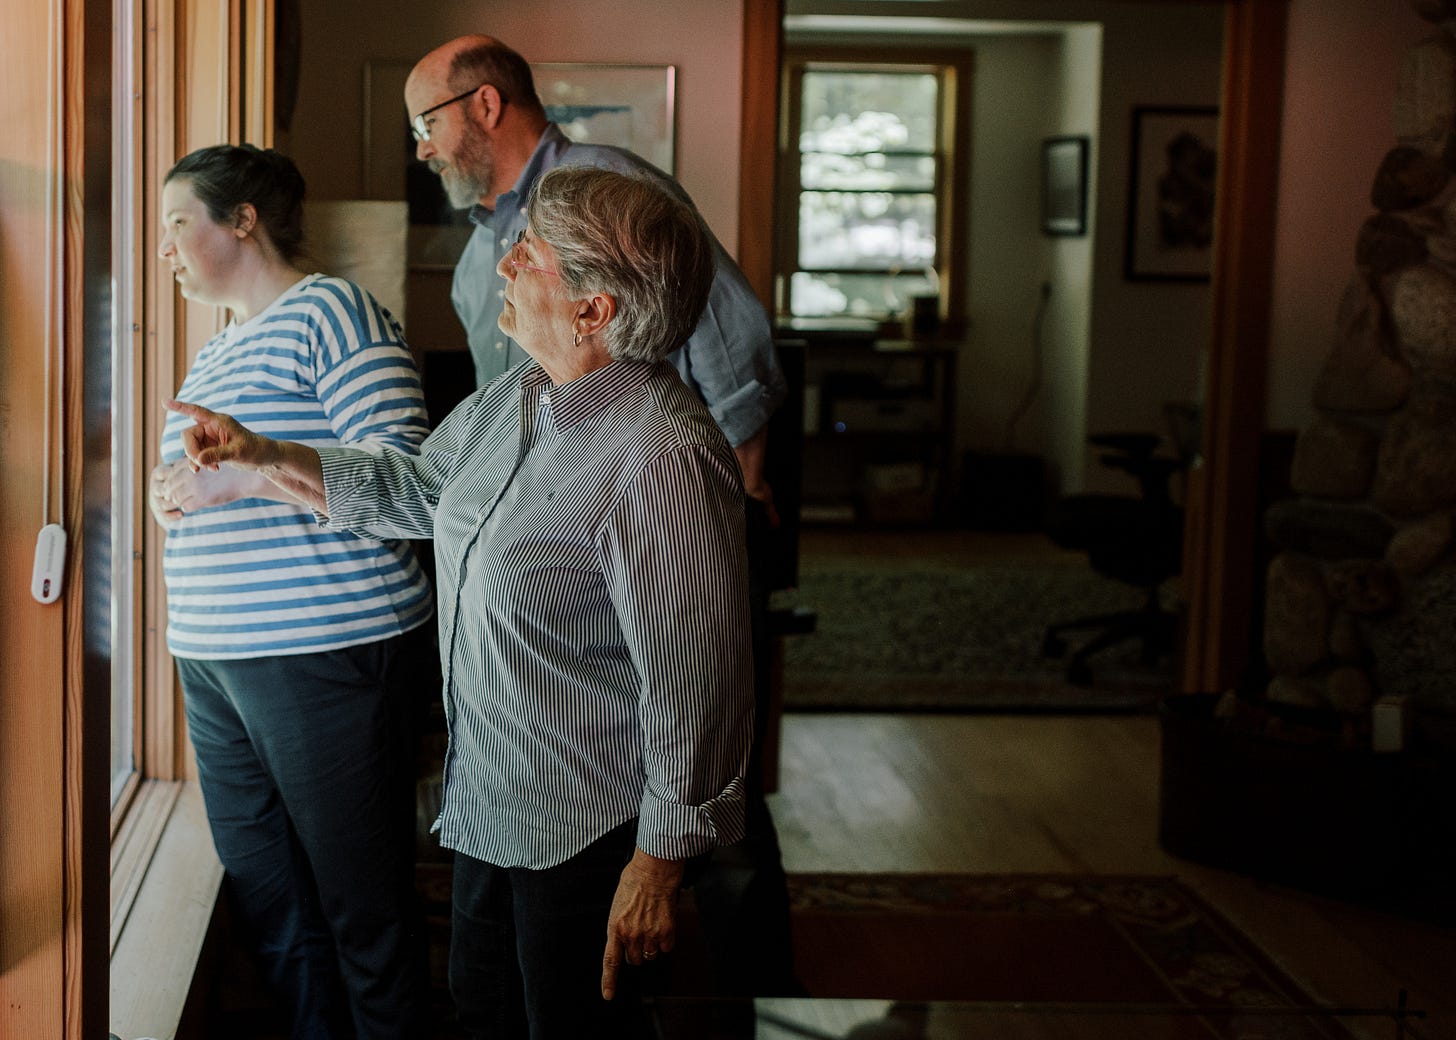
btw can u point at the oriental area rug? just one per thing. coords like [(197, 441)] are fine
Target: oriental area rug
[(957, 637), (1136, 941), (1095, 956)]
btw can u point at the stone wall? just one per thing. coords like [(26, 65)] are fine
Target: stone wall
[(1361, 596)]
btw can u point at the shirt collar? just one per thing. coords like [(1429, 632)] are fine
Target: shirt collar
[(584, 397), (546, 156)]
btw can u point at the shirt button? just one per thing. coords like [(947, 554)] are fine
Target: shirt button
[(501, 293), (500, 346), (505, 242)]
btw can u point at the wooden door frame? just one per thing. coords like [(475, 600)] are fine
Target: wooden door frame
[(1220, 535)]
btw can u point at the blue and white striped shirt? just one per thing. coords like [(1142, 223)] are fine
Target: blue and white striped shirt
[(324, 364), (593, 610)]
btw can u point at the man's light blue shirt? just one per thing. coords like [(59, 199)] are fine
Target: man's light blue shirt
[(729, 360)]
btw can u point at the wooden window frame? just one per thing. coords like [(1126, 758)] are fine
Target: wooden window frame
[(954, 69)]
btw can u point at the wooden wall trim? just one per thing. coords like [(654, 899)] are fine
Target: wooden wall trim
[(32, 864), (1220, 539), (164, 739), (762, 50), (257, 86), (53, 784), (953, 144)]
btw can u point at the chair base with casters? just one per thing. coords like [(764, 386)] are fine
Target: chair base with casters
[(1155, 626), (1133, 539)]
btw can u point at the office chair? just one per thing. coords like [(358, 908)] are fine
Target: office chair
[(1134, 539)]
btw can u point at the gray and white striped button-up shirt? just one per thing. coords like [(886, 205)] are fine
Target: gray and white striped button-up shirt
[(593, 610)]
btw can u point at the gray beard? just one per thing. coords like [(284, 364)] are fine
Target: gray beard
[(469, 177), (463, 191)]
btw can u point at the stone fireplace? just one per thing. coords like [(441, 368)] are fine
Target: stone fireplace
[(1360, 598), (1293, 782)]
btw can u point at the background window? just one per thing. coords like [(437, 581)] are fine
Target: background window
[(867, 200)]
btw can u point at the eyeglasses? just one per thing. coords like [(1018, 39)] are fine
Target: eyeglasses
[(518, 265), (420, 126)]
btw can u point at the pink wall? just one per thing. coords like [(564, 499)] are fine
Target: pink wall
[(1343, 60), (702, 38)]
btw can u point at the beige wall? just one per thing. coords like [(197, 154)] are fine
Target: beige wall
[(1070, 266), (1009, 258), (1343, 60), (702, 38), (1147, 338)]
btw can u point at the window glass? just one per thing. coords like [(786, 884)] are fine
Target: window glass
[(863, 111), (122, 636), (820, 294), (872, 172), (875, 231), (868, 197)]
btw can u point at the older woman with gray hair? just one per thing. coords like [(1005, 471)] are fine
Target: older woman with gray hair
[(593, 610)]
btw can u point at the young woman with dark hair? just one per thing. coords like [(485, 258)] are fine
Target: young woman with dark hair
[(301, 650)]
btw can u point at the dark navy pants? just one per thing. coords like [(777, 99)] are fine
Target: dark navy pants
[(307, 768), (526, 948)]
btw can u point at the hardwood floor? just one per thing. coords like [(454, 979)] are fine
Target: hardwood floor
[(985, 793)]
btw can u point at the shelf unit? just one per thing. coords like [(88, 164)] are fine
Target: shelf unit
[(879, 430)]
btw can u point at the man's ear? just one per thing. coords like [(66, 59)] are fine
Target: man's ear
[(492, 105)]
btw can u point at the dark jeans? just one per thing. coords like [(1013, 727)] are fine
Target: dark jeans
[(526, 947), (742, 895), (307, 769)]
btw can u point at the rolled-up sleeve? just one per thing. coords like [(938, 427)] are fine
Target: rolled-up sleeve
[(730, 358), (676, 569)]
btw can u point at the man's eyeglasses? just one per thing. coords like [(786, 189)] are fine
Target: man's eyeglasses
[(420, 126), (518, 265)]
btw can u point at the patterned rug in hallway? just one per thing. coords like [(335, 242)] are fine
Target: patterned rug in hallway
[(1138, 941), (965, 638)]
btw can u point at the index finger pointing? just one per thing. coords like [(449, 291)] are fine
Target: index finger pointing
[(611, 962), (192, 411)]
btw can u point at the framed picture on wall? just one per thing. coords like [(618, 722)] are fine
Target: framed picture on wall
[(1170, 195), (630, 106), (1064, 186)]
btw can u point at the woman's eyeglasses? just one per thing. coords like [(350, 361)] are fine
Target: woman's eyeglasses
[(522, 266)]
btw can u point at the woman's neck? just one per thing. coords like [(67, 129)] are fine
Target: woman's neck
[(258, 285), (569, 366)]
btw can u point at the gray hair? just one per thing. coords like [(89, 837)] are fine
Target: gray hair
[(494, 63), (628, 236)]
